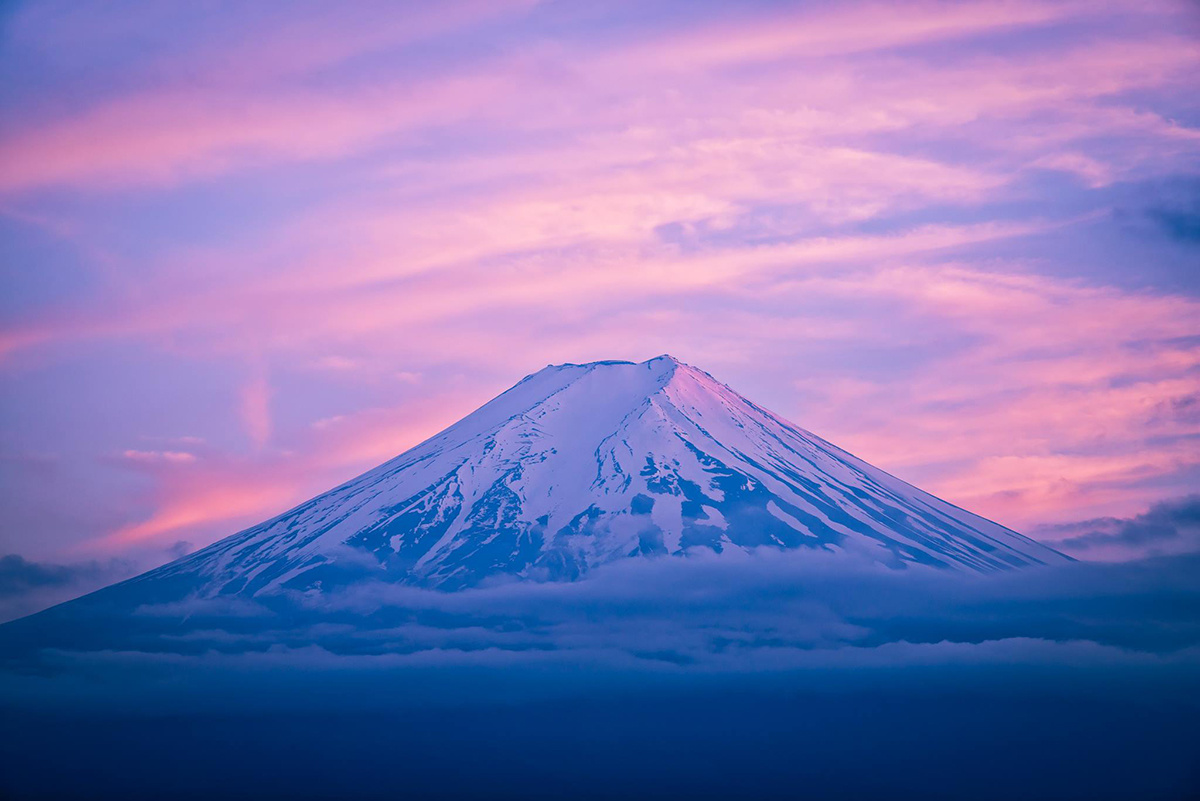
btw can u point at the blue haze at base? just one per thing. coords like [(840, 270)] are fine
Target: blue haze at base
[(879, 742), (1079, 682)]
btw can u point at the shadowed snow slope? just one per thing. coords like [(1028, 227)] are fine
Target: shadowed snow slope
[(582, 464)]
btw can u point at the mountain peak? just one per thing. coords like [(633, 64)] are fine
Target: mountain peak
[(582, 464), (664, 359)]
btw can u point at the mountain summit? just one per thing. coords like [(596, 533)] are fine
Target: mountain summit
[(578, 465)]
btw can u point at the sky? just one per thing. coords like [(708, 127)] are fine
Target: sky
[(251, 250)]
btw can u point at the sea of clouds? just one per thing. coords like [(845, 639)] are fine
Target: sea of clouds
[(1084, 677)]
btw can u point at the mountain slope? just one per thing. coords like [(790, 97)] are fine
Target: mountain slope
[(578, 465)]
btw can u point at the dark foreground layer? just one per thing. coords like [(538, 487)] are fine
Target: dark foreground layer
[(881, 742)]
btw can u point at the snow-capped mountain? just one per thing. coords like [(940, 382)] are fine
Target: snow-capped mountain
[(578, 465)]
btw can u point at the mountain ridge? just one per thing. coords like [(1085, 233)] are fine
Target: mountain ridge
[(577, 465)]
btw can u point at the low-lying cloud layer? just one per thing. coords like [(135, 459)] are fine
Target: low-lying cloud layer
[(705, 614), (1169, 527), (711, 674), (27, 587)]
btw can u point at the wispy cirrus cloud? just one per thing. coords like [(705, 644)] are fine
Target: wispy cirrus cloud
[(204, 500), (191, 129)]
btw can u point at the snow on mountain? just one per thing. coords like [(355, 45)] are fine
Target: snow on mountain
[(582, 464)]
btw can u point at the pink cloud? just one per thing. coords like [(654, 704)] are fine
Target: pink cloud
[(216, 497), (314, 304), (255, 410), (176, 457), (175, 134), (845, 29), (187, 130), (1048, 413), (238, 97)]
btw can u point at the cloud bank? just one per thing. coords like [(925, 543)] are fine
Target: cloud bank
[(763, 669), (1169, 527)]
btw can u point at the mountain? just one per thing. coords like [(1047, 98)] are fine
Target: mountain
[(578, 465)]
